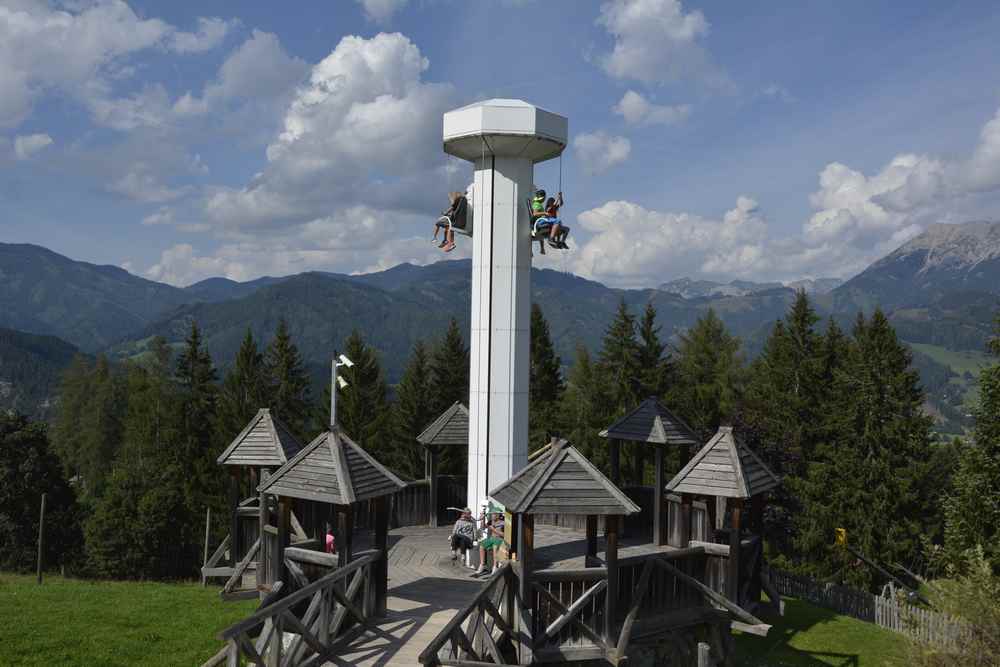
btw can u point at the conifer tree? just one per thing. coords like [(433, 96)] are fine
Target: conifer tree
[(74, 394), (586, 409), (972, 508), (709, 375), (871, 476), (243, 390), (449, 369), (655, 369), (195, 376), (150, 425), (100, 427), (287, 382), (545, 383), (619, 362), (411, 414), (362, 410)]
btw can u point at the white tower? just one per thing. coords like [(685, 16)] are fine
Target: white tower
[(504, 139)]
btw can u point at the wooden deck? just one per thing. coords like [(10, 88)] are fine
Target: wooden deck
[(427, 588)]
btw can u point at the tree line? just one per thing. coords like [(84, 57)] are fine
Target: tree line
[(837, 414)]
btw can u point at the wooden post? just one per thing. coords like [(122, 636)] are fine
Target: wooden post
[(381, 567), (733, 574), (345, 530), (685, 519), (710, 510), (638, 463), (614, 461), (284, 537), (41, 538), (204, 560), (432, 454), (234, 518), (757, 514), (262, 519), (659, 508), (525, 538), (611, 593), (591, 536)]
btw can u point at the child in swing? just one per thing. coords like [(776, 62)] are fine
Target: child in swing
[(557, 231)]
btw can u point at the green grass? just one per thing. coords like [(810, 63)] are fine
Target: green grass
[(959, 361), (811, 636), (95, 624), (69, 622)]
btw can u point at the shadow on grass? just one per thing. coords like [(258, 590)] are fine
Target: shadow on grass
[(799, 620)]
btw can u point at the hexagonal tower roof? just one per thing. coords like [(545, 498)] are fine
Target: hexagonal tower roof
[(508, 127)]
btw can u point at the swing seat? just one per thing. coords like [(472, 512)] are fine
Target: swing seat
[(541, 232), (460, 221)]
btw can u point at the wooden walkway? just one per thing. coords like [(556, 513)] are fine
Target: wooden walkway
[(427, 589)]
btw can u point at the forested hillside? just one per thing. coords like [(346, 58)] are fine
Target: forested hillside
[(30, 368)]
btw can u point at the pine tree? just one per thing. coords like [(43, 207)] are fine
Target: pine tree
[(195, 376), (100, 427), (362, 410), (243, 390), (619, 361), (655, 369), (411, 414), (545, 384), (287, 382), (586, 408), (709, 375), (972, 508), (870, 476), (449, 368), (74, 394), (150, 429)]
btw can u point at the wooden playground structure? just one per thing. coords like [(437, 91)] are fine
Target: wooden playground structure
[(574, 589)]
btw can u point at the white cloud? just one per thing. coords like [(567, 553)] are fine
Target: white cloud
[(778, 92), (599, 151), (27, 145), (80, 50), (381, 11), (180, 265), (364, 128), (858, 218), (211, 32), (656, 41), (163, 216), (142, 184), (637, 110)]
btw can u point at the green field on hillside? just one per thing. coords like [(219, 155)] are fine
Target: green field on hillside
[(960, 361), (69, 622)]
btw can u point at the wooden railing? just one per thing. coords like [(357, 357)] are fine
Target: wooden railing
[(564, 616), (320, 615)]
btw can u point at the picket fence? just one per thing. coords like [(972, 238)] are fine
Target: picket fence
[(925, 625)]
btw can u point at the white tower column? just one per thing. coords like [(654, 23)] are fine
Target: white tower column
[(504, 139)]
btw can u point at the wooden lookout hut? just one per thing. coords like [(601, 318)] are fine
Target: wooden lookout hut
[(651, 424), (562, 480), (451, 429), (263, 445), (331, 472), (726, 468)]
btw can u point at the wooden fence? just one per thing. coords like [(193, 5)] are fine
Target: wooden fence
[(922, 624)]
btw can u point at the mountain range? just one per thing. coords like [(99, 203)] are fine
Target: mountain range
[(940, 290)]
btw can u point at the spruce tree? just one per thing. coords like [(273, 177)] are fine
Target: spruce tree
[(362, 410), (972, 508), (709, 375), (871, 475), (150, 433), (411, 414), (100, 427), (655, 369), (243, 390), (287, 382), (449, 368), (586, 409), (195, 376), (545, 383), (619, 361), (74, 394)]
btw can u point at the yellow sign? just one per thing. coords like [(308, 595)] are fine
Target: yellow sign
[(841, 537)]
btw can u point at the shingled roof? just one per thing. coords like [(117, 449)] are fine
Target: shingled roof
[(562, 481), (451, 428), (332, 469), (651, 422), (265, 441), (724, 467)]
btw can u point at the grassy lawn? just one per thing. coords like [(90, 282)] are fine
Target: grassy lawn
[(809, 636), (70, 622)]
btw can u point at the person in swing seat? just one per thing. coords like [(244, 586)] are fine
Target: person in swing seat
[(537, 214), (445, 222), (557, 231)]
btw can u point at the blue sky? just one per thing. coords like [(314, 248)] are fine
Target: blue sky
[(715, 139)]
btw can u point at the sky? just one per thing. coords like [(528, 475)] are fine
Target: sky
[(714, 140)]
